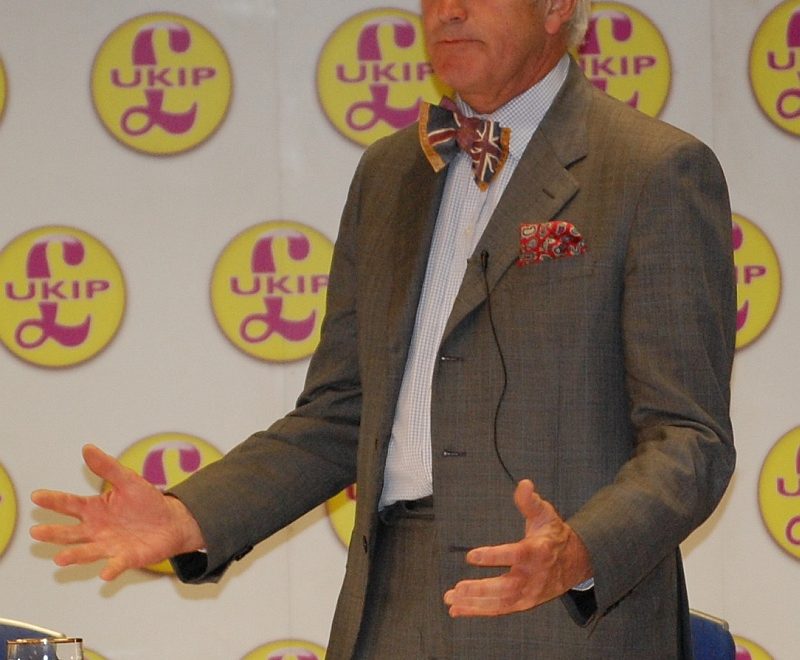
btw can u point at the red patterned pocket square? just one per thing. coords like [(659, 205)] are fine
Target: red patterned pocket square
[(540, 241)]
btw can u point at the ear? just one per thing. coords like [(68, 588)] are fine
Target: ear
[(558, 14)]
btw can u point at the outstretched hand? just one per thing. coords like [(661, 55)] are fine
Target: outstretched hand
[(131, 525), (549, 560)]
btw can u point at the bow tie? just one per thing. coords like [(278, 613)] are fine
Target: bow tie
[(443, 130)]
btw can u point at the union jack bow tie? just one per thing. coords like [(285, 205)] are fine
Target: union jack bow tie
[(443, 130)]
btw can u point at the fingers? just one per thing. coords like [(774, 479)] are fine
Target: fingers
[(89, 553), (533, 576), (85, 553), (112, 569), (507, 554), (105, 466), (58, 534), (493, 596), (64, 503), (538, 513), (99, 535)]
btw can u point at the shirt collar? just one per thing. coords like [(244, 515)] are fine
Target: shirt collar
[(524, 113)]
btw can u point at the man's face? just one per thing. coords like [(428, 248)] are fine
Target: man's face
[(491, 50)]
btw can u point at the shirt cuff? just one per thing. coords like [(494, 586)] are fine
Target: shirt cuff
[(584, 586)]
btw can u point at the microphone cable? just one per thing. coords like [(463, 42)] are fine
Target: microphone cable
[(484, 269)]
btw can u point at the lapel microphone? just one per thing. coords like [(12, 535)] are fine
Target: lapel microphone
[(485, 270)]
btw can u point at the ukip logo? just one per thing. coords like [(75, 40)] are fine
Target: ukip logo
[(373, 74), (3, 89), (625, 55), (287, 649), (8, 510), (62, 299), (758, 280), (747, 649), (779, 492), (268, 290), (775, 66), (161, 84)]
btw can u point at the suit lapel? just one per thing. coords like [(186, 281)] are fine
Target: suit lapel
[(415, 217), (540, 186)]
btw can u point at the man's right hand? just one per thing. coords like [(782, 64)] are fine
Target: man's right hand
[(131, 525)]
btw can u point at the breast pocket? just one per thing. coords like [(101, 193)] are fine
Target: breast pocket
[(558, 296), (554, 270)]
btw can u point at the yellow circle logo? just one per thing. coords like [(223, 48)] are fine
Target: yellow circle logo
[(3, 89), (758, 280), (287, 649), (341, 509), (62, 298), (88, 654), (779, 492), (775, 66), (166, 459), (268, 290), (747, 650), (625, 55), (373, 74), (8, 510), (161, 84)]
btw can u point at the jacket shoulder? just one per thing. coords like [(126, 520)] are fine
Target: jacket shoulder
[(396, 149), (619, 121)]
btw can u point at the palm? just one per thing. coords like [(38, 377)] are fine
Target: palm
[(131, 525), (547, 561)]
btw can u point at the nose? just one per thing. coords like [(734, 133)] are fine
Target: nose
[(450, 11)]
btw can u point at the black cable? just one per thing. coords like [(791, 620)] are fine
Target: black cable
[(484, 269)]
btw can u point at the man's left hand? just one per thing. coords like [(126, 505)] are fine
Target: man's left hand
[(548, 561)]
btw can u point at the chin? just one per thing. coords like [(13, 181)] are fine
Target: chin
[(456, 76)]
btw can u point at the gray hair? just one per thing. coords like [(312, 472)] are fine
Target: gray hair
[(576, 28)]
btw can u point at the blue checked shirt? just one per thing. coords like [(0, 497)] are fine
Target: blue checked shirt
[(463, 215)]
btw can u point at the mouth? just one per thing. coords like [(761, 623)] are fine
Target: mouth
[(455, 41), (448, 35)]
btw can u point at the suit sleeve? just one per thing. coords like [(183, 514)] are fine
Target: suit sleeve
[(277, 475), (678, 333)]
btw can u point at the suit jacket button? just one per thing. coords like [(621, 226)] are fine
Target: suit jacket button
[(365, 544)]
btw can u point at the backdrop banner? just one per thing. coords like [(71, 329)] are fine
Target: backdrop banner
[(172, 176)]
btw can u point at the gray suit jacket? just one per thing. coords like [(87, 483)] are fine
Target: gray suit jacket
[(617, 397)]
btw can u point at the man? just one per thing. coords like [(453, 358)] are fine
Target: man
[(562, 314)]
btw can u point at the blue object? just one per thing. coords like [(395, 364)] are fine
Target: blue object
[(711, 639)]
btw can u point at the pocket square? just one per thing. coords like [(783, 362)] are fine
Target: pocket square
[(541, 241)]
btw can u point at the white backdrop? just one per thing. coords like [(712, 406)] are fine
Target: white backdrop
[(169, 368)]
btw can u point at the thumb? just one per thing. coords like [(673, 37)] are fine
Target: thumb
[(105, 466), (530, 504)]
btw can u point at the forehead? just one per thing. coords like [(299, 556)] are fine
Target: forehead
[(480, 6)]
